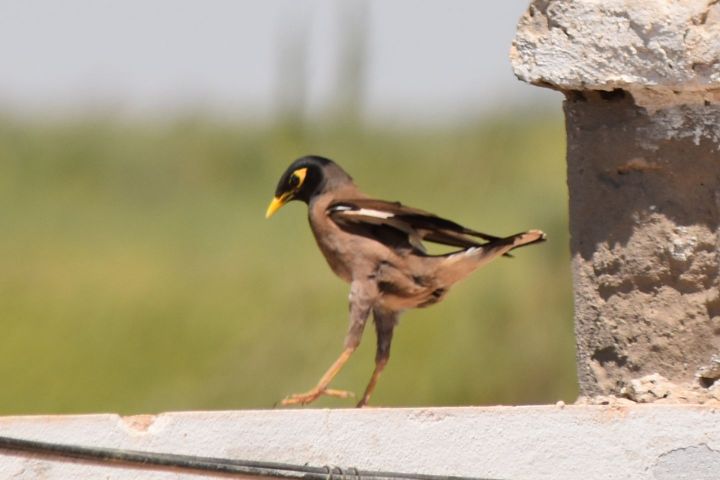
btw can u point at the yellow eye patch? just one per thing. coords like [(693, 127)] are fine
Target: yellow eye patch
[(300, 175)]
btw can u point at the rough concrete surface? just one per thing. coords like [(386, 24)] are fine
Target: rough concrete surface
[(519, 443), (642, 108), (644, 218), (606, 44), (655, 388)]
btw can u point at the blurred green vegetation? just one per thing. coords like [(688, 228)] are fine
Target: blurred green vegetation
[(137, 273)]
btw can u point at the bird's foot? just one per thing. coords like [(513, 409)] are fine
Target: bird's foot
[(314, 394)]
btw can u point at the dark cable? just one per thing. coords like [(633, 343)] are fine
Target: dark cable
[(207, 464)]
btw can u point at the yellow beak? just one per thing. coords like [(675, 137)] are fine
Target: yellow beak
[(275, 205)]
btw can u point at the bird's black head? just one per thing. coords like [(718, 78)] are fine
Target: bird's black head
[(305, 178)]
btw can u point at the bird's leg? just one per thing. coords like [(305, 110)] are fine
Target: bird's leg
[(321, 387), (385, 322), (361, 297), (379, 367)]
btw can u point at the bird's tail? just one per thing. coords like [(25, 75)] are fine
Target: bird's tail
[(523, 239), (458, 265)]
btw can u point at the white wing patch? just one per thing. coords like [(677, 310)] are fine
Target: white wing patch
[(367, 212), (378, 217), (340, 208)]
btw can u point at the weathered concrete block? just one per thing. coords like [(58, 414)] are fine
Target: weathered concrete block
[(642, 86), (639, 442), (602, 45)]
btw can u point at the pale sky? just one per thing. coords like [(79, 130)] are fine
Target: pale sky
[(427, 59)]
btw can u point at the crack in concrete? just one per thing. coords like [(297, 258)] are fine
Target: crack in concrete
[(697, 462), (701, 18)]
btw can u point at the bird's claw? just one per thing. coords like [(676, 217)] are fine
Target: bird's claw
[(314, 394)]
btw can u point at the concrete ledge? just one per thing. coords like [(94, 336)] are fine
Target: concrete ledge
[(531, 442), (592, 45)]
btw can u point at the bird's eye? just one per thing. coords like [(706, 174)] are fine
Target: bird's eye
[(294, 181), (297, 178)]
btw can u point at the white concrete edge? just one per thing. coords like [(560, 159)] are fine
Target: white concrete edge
[(521, 442)]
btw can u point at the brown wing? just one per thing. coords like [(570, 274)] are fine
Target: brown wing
[(397, 225)]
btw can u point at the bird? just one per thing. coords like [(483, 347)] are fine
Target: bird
[(377, 247)]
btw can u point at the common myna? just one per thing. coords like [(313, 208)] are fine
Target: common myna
[(377, 247)]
